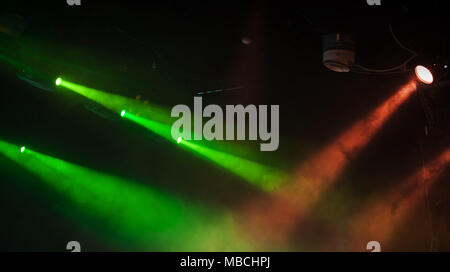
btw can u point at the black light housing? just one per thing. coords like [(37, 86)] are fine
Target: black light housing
[(338, 51)]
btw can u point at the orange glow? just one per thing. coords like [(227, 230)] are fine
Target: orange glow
[(384, 214), (328, 164), (275, 216), (424, 74)]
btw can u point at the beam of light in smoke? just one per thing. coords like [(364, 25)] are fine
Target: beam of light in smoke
[(117, 103), (156, 119), (384, 214), (263, 177), (131, 214), (317, 173), (282, 211), (158, 128)]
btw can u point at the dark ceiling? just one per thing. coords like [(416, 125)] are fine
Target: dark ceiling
[(166, 52)]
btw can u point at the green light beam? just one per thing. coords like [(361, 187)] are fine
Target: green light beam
[(263, 177), (132, 213), (156, 119), (117, 103), (158, 128)]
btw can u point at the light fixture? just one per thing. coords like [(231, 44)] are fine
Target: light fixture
[(424, 74), (58, 81), (338, 51)]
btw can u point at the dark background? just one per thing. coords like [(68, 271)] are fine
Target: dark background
[(167, 51)]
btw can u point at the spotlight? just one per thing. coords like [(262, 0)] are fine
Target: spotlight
[(338, 51), (424, 74), (58, 81), (122, 113), (179, 140), (22, 149)]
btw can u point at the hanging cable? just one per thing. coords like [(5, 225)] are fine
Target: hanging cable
[(399, 68), (399, 43)]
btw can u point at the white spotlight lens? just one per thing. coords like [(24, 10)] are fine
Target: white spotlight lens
[(424, 74)]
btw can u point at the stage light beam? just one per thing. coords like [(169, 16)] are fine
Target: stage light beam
[(264, 177), (382, 215), (118, 103), (261, 176), (130, 214), (158, 120), (280, 214)]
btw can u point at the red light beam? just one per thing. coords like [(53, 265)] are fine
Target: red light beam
[(384, 214), (275, 216)]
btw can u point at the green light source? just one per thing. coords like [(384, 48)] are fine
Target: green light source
[(179, 140), (58, 81), (22, 149), (122, 113)]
